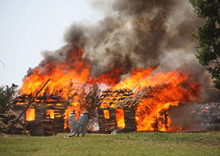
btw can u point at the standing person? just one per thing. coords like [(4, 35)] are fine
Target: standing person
[(82, 123), (72, 122)]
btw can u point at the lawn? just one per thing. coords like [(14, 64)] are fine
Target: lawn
[(134, 144)]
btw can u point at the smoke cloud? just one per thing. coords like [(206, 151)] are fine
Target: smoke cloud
[(143, 33)]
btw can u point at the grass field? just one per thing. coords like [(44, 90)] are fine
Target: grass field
[(129, 144)]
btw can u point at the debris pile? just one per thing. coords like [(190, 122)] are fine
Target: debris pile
[(207, 114), (209, 108), (6, 121)]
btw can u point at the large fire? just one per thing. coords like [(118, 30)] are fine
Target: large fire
[(168, 89)]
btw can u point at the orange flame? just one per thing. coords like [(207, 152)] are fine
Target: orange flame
[(168, 89), (120, 118), (137, 75), (30, 114), (51, 113), (106, 114)]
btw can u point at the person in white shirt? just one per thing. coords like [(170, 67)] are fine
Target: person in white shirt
[(83, 119), (72, 122)]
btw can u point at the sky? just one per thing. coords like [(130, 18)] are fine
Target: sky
[(28, 27)]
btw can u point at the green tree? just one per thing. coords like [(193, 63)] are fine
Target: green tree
[(6, 97), (208, 35)]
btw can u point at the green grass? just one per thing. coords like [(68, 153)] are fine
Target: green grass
[(128, 144)]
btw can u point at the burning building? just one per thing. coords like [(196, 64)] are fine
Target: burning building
[(116, 110), (45, 109), (144, 107), (137, 45)]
